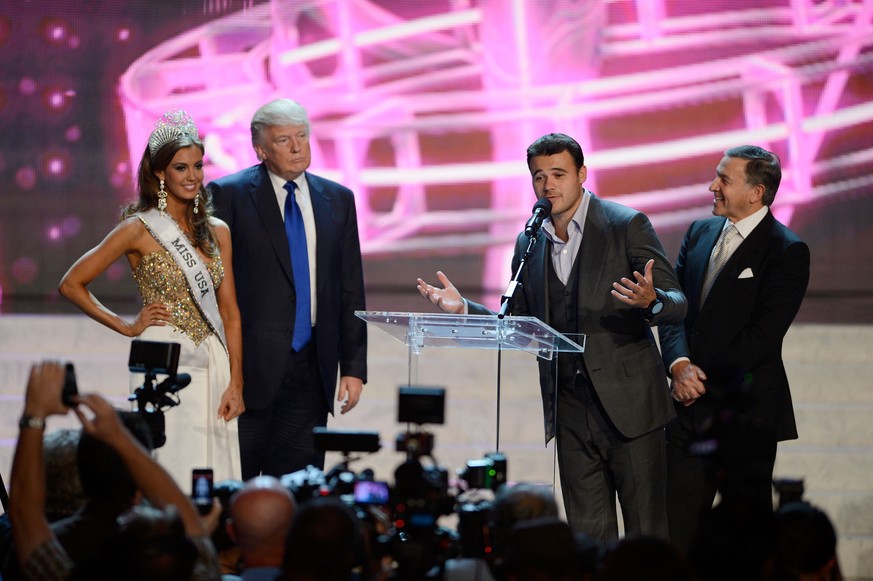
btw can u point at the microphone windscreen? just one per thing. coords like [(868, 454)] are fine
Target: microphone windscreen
[(182, 379), (544, 204)]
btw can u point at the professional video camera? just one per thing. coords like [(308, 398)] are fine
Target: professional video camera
[(485, 474), (403, 519), (153, 358), (340, 480)]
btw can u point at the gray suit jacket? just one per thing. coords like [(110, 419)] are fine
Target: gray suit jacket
[(621, 355), (265, 282)]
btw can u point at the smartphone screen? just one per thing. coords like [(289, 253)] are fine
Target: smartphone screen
[(368, 492), (201, 489)]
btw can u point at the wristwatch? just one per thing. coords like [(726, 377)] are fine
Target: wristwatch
[(31, 422), (655, 307)]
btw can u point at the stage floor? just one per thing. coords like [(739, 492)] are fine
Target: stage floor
[(830, 368)]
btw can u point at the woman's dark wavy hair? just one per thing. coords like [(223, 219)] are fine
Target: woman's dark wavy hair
[(148, 185)]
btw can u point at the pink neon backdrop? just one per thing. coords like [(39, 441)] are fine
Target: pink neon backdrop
[(425, 109)]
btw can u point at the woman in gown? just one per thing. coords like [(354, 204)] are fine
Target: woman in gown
[(180, 256)]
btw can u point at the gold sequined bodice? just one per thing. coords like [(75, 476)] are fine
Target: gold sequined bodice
[(160, 280)]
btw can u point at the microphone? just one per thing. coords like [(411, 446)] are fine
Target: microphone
[(541, 210), (174, 383)]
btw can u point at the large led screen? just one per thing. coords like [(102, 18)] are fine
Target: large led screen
[(425, 110)]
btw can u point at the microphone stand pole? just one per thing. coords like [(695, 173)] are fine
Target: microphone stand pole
[(506, 299)]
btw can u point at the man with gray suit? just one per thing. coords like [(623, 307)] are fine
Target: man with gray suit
[(299, 276), (600, 270)]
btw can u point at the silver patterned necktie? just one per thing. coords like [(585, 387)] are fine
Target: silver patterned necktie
[(719, 258)]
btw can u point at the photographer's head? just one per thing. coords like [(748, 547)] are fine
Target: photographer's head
[(64, 493), (514, 504), (150, 544), (260, 515), (325, 542), (807, 542)]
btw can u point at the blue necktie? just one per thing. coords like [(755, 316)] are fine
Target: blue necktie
[(296, 234)]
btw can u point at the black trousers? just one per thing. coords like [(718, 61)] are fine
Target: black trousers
[(597, 463), (736, 460), (278, 439)]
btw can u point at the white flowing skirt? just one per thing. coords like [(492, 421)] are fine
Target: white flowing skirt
[(196, 437)]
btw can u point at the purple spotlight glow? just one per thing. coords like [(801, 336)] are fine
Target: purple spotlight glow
[(71, 226), (57, 98), (123, 34), (54, 233), (25, 177), (73, 133), (56, 164), (54, 30), (27, 86), (24, 270)]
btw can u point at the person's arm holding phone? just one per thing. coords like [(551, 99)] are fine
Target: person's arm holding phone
[(30, 528)]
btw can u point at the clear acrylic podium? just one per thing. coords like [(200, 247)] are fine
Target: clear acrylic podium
[(489, 332)]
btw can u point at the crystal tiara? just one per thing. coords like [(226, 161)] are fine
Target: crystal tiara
[(172, 125)]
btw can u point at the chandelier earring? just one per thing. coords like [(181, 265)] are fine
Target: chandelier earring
[(196, 203), (162, 198)]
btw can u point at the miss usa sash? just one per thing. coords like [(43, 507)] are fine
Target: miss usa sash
[(170, 236)]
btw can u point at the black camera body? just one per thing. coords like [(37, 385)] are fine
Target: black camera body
[(488, 472), (153, 358)]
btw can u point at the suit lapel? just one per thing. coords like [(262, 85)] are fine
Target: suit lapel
[(746, 256), (699, 255), (264, 198), (592, 254), (749, 252), (324, 233)]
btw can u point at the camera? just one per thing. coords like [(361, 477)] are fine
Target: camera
[(403, 518), (345, 441), (153, 358), (488, 472), (788, 490)]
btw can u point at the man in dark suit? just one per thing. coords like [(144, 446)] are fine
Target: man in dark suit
[(287, 223), (729, 382), (584, 276)]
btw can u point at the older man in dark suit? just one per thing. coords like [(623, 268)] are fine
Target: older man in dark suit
[(745, 275), (297, 261), (600, 270)]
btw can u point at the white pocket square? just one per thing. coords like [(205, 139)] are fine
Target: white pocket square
[(747, 273)]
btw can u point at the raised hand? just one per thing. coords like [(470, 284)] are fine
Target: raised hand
[(639, 293), (446, 298)]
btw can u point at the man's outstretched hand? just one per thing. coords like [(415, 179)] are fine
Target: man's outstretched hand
[(446, 298)]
